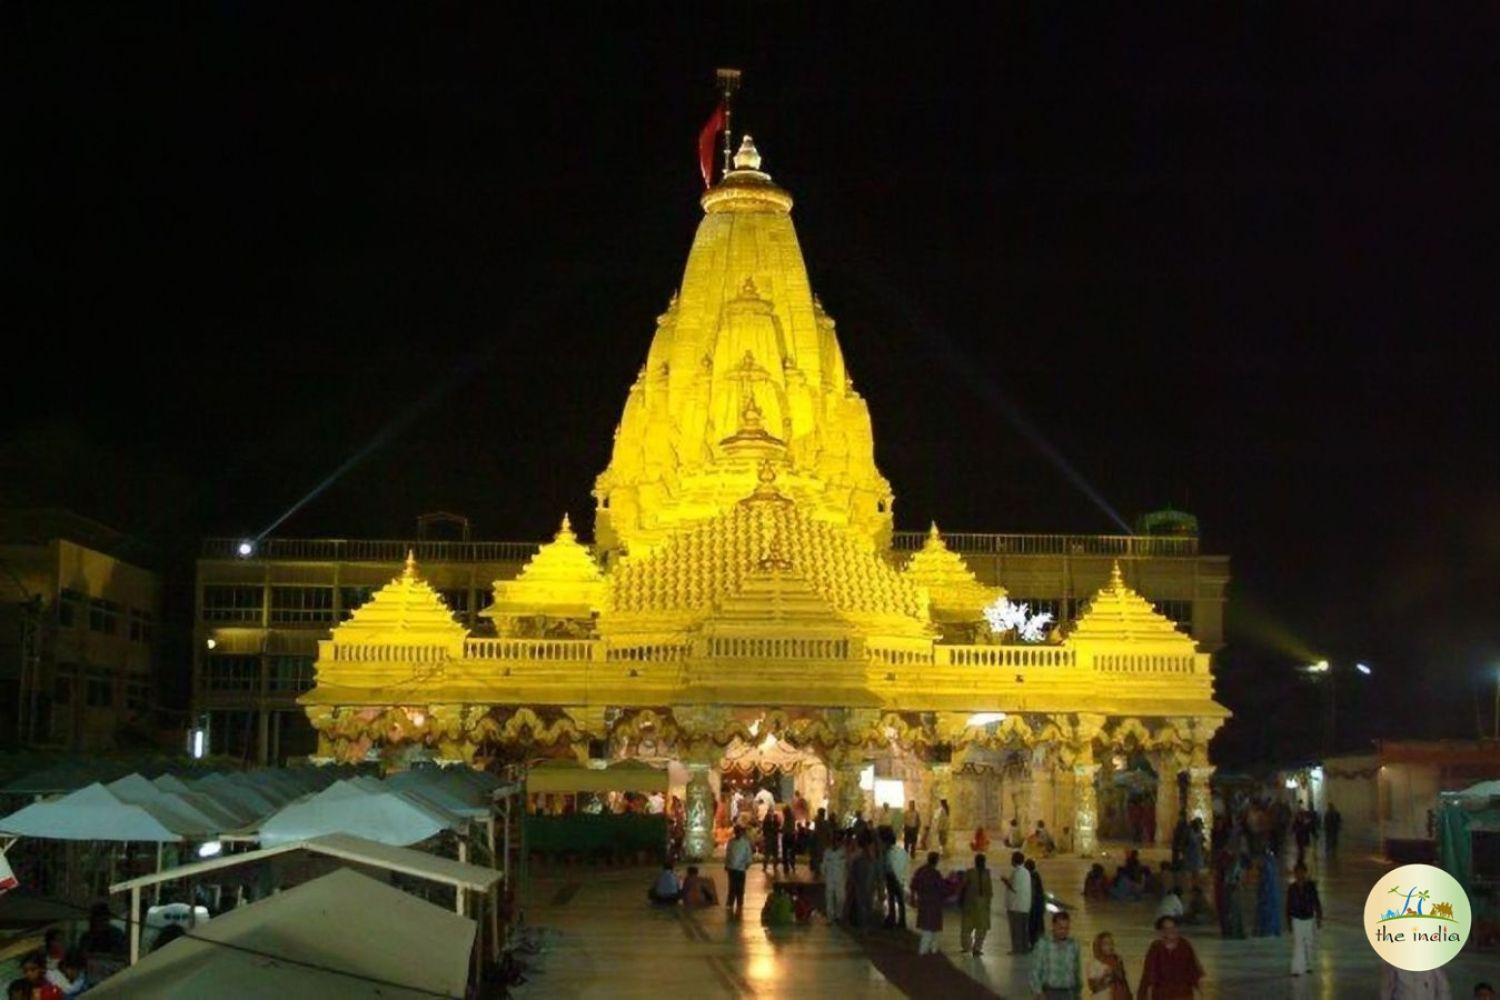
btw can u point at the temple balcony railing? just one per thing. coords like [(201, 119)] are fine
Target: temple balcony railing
[(535, 650), (1005, 656), (370, 550), (758, 648), (1123, 546)]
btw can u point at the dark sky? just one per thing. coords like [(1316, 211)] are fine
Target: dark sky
[(1240, 261)]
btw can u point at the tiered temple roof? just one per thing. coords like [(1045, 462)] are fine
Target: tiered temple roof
[(699, 567), (956, 595), (561, 580), (1117, 614)]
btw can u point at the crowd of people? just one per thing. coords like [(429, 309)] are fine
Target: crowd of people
[(59, 969)]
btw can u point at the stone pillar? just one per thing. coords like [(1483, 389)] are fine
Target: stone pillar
[(1065, 808), (1200, 798), (698, 835), (844, 767), (1168, 808), (1085, 796), (941, 788)]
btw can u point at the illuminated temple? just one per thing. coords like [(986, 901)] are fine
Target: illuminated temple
[(742, 606)]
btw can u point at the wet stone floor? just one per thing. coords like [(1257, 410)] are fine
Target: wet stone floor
[(604, 940)]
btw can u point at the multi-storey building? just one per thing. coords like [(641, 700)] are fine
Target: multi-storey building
[(78, 634)]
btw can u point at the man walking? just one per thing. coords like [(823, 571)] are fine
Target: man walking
[(1304, 911), (835, 877), (911, 823), (1057, 966), (1332, 820), (737, 857), (1018, 904), (929, 888), (897, 863)]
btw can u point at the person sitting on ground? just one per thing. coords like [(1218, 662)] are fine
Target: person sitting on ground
[(1096, 883), (778, 911), (981, 841), (1158, 882), (1013, 838), (34, 968), (69, 974), (697, 891), (1170, 905), (1128, 885), (666, 891), (1041, 840)]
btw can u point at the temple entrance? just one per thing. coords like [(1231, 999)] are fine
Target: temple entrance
[(755, 778)]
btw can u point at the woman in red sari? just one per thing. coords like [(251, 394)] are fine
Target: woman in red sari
[(1171, 970)]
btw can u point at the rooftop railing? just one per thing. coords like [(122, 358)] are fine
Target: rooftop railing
[(370, 550), (964, 542), (978, 543)]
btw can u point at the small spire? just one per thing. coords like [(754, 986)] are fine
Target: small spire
[(748, 158), (566, 529), (932, 532), (410, 570), (1116, 581), (750, 414)]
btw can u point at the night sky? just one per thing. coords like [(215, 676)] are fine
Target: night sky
[(1242, 262)]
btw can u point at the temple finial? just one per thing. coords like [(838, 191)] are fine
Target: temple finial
[(932, 531), (567, 526), (748, 158), (409, 572), (1116, 580)]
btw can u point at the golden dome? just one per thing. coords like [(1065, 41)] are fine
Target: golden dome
[(955, 593)]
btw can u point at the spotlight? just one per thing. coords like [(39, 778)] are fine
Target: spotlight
[(246, 549), (212, 643), (1364, 669), (210, 848)]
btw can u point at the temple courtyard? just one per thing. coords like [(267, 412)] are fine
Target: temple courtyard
[(603, 939)]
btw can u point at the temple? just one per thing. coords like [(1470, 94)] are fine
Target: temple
[(742, 609)]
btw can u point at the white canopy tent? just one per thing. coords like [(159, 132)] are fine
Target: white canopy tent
[(342, 935), (95, 813), (372, 810)]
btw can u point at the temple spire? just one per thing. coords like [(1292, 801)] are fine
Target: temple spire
[(409, 571)]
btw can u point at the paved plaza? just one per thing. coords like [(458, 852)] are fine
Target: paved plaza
[(604, 940)]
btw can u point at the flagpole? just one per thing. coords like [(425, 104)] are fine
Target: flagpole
[(729, 82)]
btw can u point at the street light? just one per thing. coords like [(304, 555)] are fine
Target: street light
[(246, 549), (1364, 669)]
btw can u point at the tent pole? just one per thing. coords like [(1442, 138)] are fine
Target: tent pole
[(494, 899), (135, 924), (156, 889)]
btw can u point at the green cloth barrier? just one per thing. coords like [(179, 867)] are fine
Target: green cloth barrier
[(589, 834)]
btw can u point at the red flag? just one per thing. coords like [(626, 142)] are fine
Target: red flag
[(711, 130)]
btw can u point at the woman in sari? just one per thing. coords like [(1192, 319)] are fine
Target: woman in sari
[(1268, 898)]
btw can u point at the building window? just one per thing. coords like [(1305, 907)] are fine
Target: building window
[(291, 673), (1180, 612), (351, 599), (294, 605), (99, 693), (232, 673), (232, 604), (62, 691), (457, 601), (70, 607), (104, 616), (142, 626)]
